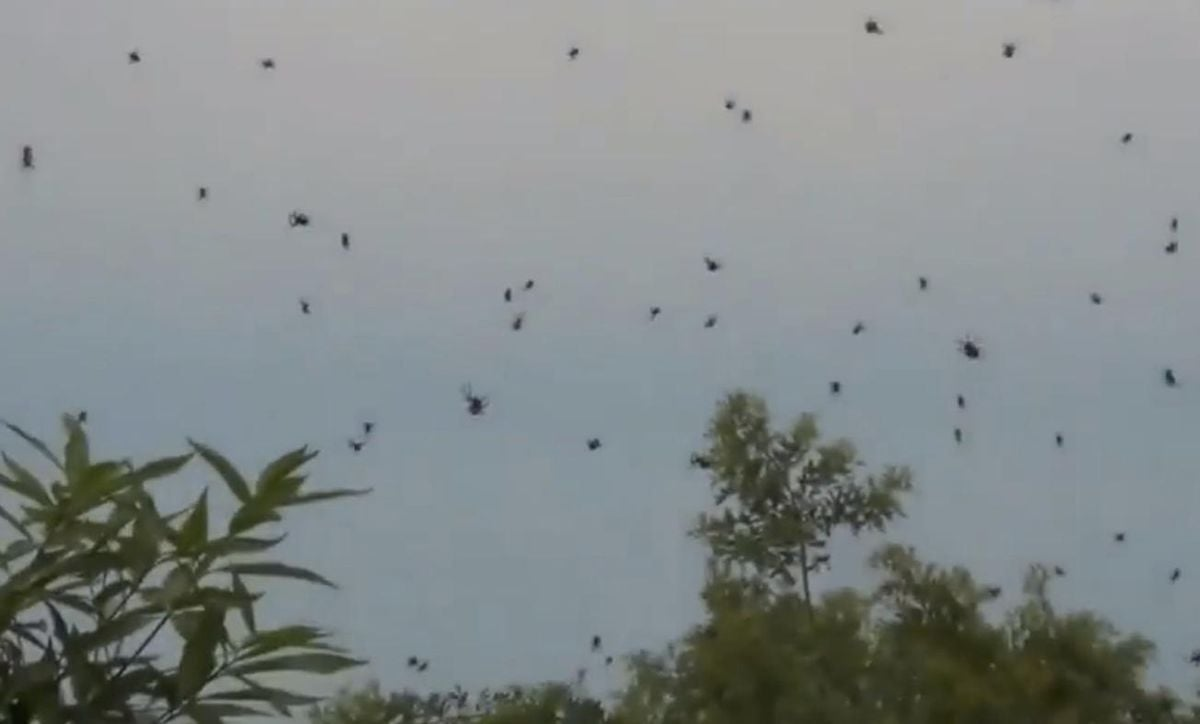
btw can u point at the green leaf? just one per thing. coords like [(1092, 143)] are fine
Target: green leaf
[(199, 653), (159, 468), (75, 452), (234, 545), (118, 629), (237, 484), (206, 713), (267, 694), (245, 609), (179, 583), (281, 468), (12, 520), (194, 533), (264, 642), (277, 569), (251, 515), (326, 495), (24, 483), (17, 549), (313, 663), (36, 444)]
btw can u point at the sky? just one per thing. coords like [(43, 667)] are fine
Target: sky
[(464, 154)]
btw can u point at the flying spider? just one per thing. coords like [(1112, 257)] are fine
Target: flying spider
[(654, 312), (593, 443), (1009, 50), (970, 347), (872, 27), (476, 404), (297, 218), (518, 321), (712, 264), (710, 321)]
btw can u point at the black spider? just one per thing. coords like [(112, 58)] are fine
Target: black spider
[(135, 56), (1172, 247), (859, 327), (413, 661), (923, 283), (573, 53), (712, 264), (356, 445), (1169, 377), (701, 461), (1058, 439), (608, 660), (1127, 138), (476, 404), (368, 428), (82, 416), (345, 240), (1195, 658), (518, 321), (593, 443), (1174, 223), (1060, 571), (970, 347), (835, 388), (202, 193), (962, 402), (958, 435), (730, 104), (305, 307), (27, 157), (992, 591), (710, 321), (508, 294), (872, 27), (595, 643), (528, 284), (1175, 574), (267, 63), (1010, 49), (747, 116), (654, 312), (423, 665), (297, 218), (1096, 298), (1119, 537)]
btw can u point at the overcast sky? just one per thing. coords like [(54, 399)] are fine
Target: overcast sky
[(464, 153)]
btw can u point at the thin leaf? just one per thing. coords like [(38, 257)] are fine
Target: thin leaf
[(36, 444), (281, 467), (237, 484), (194, 532), (75, 452), (12, 520), (118, 629), (279, 570), (264, 642), (24, 483), (246, 609), (313, 663), (234, 545), (327, 495), (199, 653)]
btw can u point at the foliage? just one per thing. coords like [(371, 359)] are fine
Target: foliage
[(97, 573), (545, 704), (780, 495), (924, 645)]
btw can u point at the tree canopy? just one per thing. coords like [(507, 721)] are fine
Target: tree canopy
[(926, 644)]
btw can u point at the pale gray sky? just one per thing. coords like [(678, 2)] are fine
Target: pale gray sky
[(464, 154)]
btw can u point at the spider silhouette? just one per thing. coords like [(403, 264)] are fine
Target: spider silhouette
[(747, 116), (528, 284), (958, 435), (1174, 223), (297, 218), (202, 193), (858, 328), (305, 307), (1009, 50), (710, 321), (135, 56), (701, 461), (1172, 247), (835, 388), (573, 53), (1119, 537), (970, 347), (346, 241), (1175, 574), (962, 402), (654, 312), (593, 444), (267, 63), (1169, 377), (476, 404), (356, 445), (923, 283), (595, 643), (508, 294), (27, 157), (1058, 439), (518, 321), (712, 264), (1096, 298), (730, 104), (1125, 139), (872, 27)]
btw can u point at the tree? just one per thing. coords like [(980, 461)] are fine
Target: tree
[(780, 495), (97, 573), (551, 703)]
